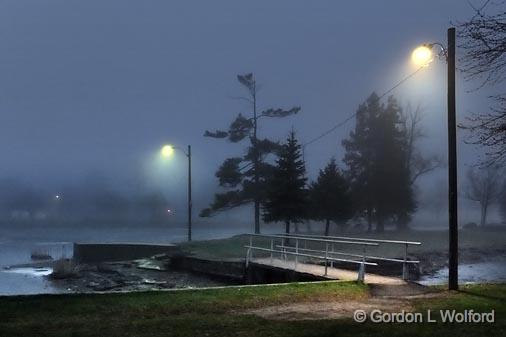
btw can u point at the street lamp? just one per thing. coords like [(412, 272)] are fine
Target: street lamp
[(423, 56), (167, 151)]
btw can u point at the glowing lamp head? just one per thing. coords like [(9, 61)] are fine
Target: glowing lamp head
[(422, 55), (167, 151)]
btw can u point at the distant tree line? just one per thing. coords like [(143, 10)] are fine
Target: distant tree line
[(93, 202)]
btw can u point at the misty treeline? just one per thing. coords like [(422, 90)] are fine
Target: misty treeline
[(376, 184), (91, 201), (482, 46)]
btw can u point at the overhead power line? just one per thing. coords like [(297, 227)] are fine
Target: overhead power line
[(347, 119)]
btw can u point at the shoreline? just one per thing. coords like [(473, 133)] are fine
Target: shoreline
[(157, 274)]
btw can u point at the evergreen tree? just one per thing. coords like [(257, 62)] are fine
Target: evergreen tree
[(330, 197), (286, 199), (377, 160), (245, 177)]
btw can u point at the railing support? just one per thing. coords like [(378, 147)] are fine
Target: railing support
[(405, 271), (361, 268), (332, 251)]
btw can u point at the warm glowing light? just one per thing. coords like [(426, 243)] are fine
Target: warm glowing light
[(422, 56), (167, 151)]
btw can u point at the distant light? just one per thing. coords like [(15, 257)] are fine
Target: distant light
[(169, 211), (422, 56), (57, 197), (167, 151)]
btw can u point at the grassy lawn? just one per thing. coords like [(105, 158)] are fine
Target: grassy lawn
[(432, 241), (216, 312)]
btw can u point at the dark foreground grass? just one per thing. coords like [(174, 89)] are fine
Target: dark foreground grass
[(216, 312)]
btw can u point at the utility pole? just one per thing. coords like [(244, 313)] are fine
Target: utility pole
[(256, 161), (453, 254), (189, 154)]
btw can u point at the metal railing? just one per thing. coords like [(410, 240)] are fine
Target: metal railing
[(406, 244), (297, 251), (329, 253)]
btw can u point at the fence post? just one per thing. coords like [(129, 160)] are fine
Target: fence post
[(405, 275)]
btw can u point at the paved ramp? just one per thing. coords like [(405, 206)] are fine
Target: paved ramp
[(332, 273)]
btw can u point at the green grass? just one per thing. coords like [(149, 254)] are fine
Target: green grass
[(215, 312)]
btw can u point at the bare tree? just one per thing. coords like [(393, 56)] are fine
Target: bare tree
[(484, 186), (418, 163), (483, 41)]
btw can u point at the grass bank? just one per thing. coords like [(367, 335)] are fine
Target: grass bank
[(221, 312)]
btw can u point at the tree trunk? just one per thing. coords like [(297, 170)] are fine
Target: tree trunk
[(287, 231), (483, 220), (380, 226), (369, 220), (257, 217), (327, 225)]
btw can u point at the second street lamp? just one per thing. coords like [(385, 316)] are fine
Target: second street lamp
[(168, 151), (422, 56)]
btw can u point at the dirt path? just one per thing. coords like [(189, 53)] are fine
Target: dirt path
[(384, 297)]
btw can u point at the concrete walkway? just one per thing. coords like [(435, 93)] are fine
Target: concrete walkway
[(332, 273)]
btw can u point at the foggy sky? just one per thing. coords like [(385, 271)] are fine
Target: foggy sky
[(100, 85)]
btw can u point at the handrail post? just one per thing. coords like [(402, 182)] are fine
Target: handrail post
[(332, 251), (296, 252), (361, 268), (283, 255), (405, 275), (326, 257)]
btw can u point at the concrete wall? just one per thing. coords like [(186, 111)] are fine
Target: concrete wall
[(101, 252), (260, 274), (232, 269)]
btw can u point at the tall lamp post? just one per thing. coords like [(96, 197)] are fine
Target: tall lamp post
[(168, 151), (423, 56)]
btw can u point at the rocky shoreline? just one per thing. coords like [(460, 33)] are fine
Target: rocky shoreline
[(157, 273)]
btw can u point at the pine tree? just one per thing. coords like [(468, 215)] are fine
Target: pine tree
[(245, 177), (377, 160), (330, 197), (287, 198)]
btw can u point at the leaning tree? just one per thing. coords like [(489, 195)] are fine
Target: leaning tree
[(244, 178)]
